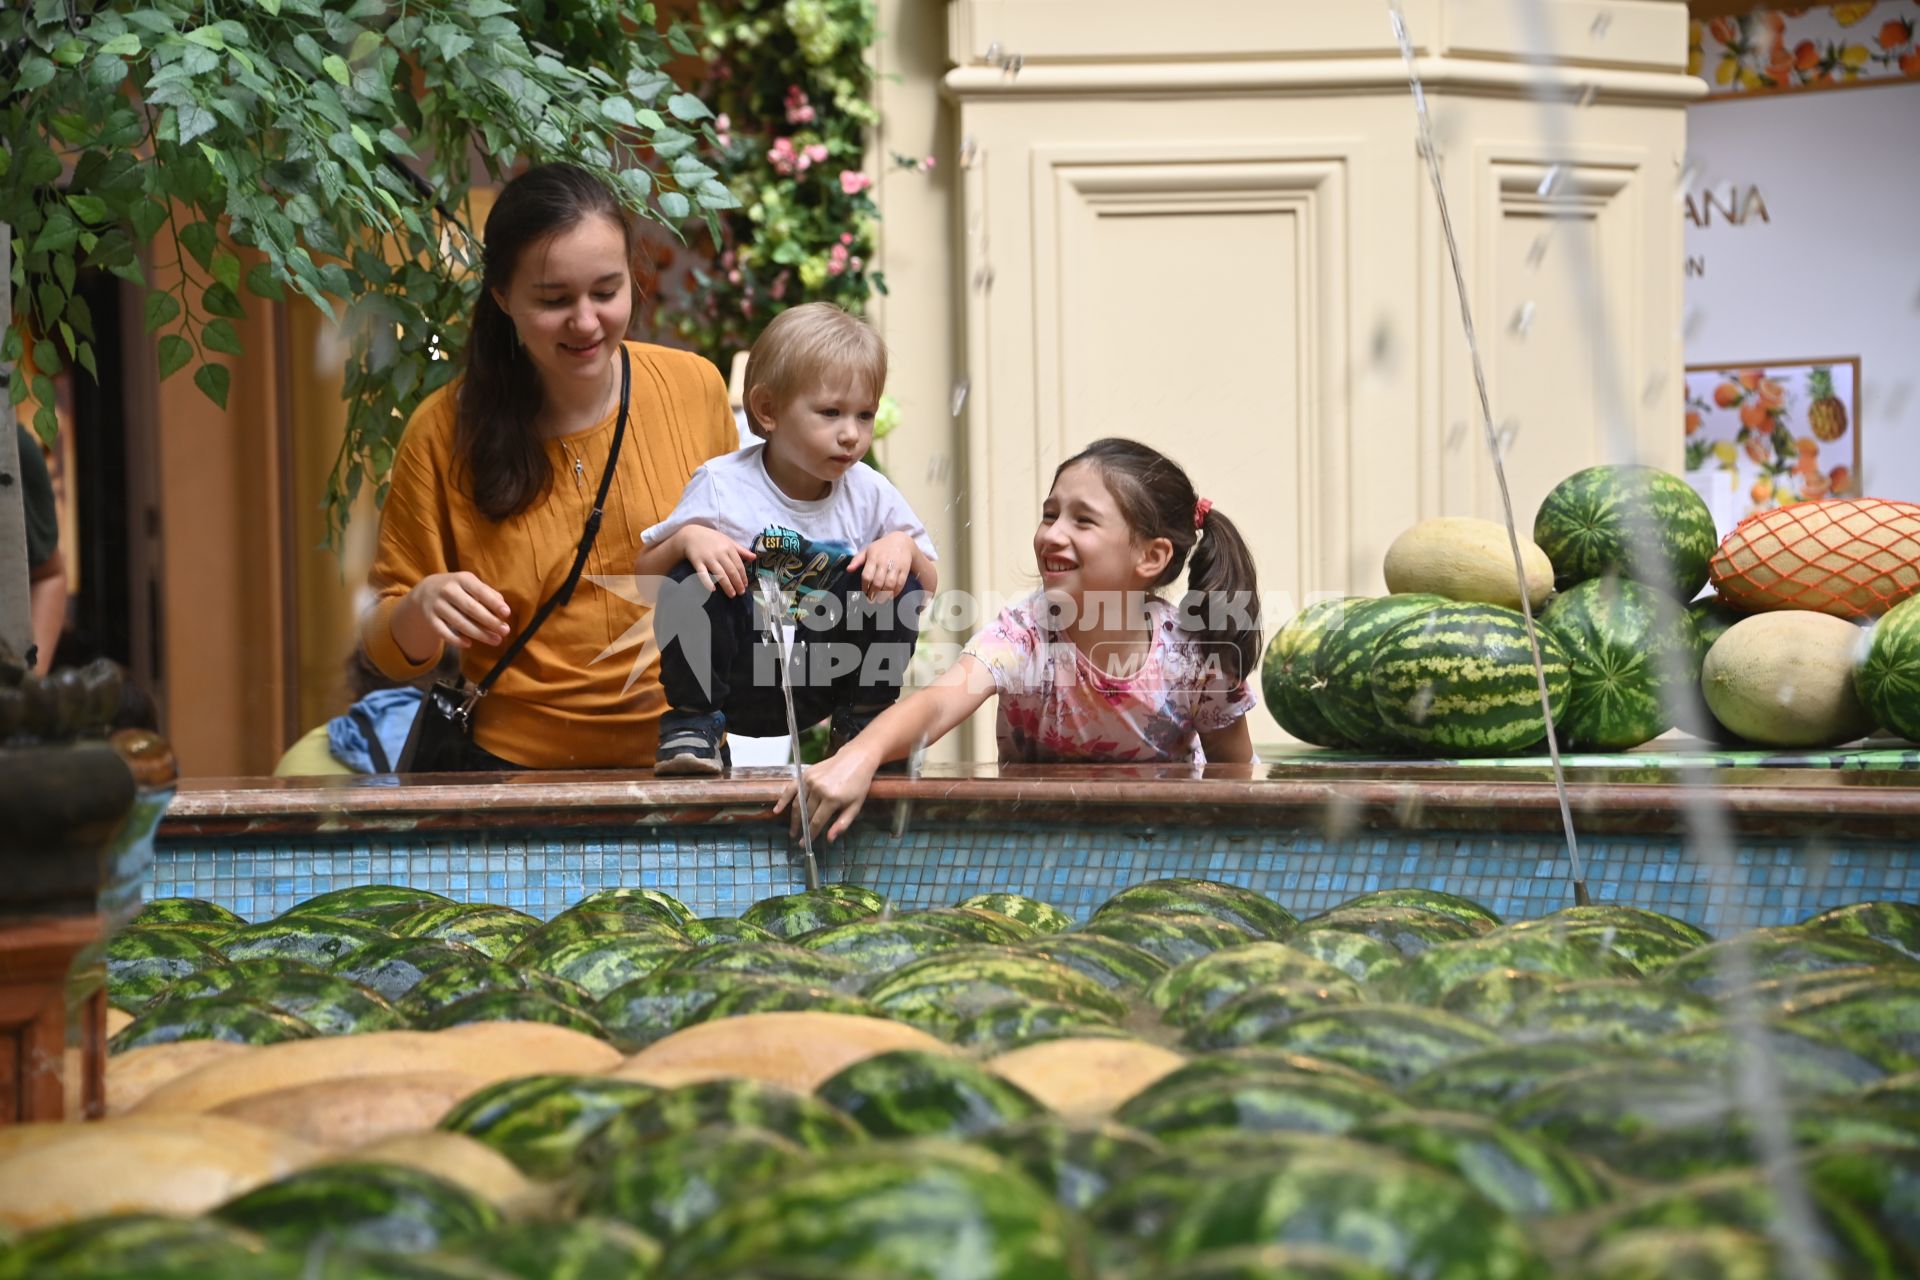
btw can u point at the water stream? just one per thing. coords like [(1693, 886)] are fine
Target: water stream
[(778, 611)]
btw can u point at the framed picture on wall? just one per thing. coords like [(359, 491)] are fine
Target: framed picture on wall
[(1760, 434)]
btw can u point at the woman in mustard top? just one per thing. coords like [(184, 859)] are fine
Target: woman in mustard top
[(497, 471)]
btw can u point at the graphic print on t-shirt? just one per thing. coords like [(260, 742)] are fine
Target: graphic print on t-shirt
[(800, 568)]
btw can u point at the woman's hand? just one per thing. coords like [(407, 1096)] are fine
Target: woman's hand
[(836, 789), (718, 561), (883, 566), (450, 608)]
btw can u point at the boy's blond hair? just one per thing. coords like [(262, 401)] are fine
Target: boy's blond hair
[(804, 346)]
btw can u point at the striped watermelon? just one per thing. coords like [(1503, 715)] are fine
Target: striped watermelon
[(789, 915), (1808, 1057), (815, 1125), (1200, 1111), (911, 1093), (1390, 1042), (330, 1004), (1427, 977), (1897, 924), (1888, 680), (1366, 960), (920, 1210), (1648, 947), (778, 995), (539, 1122), (221, 1017), (972, 924), (1634, 654), (1249, 1062), (1041, 917), (1522, 1173), (717, 929), (1078, 1164), (1116, 965), (601, 963), (1189, 993), (1495, 997), (871, 901), (143, 962), (1408, 930), (513, 1006), (1174, 936), (490, 929), (573, 1249), (681, 1179), (878, 945), (192, 911), (377, 904), (942, 991), (1877, 1183), (1343, 665), (382, 1206), (1684, 936), (224, 978), (1655, 1253), (1600, 1109), (1639, 522), (1623, 1013), (637, 1013), (1777, 953), (318, 940), (1488, 1081), (574, 926), (395, 967), (664, 905), (780, 960), (456, 982), (1459, 680), (1434, 900), (1256, 1015), (1254, 912), (1287, 679), (1018, 1022), (1275, 1262), (135, 1244)]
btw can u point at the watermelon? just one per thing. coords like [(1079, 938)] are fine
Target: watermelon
[(1173, 936), (1116, 965), (367, 1203), (358, 1262), (1390, 1042), (1200, 1110), (1690, 1148), (331, 1005), (637, 1013), (1648, 950), (377, 904), (1884, 1009), (1127, 1220), (1409, 1219), (1492, 1079), (143, 962), (191, 911), (776, 995), (1465, 910), (1661, 1253), (1343, 665), (815, 1125), (1189, 993), (574, 1249), (1602, 1109), (1258, 1013), (219, 1017), (1888, 679), (780, 960), (513, 1006), (1615, 1012), (1077, 1163), (539, 1122), (489, 929), (396, 966), (680, 1179), (1806, 1057), (1287, 680), (148, 1245), (1777, 953), (878, 945), (1883, 1185), (789, 915), (652, 901), (456, 982), (1252, 1060), (921, 1210), (1639, 522), (599, 964), (1522, 1173), (1017, 1022), (1426, 978), (910, 1093), (941, 991), (1041, 917), (1274, 1262), (1253, 912), (1685, 937), (971, 924), (1632, 650), (1495, 997), (1408, 930), (224, 978), (1366, 960), (571, 926), (871, 901), (1459, 680), (1897, 924), (713, 930), (318, 940)]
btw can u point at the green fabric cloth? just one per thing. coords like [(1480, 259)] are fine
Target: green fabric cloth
[(43, 516)]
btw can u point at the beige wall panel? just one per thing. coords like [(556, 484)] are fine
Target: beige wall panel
[(1617, 33), (1087, 30)]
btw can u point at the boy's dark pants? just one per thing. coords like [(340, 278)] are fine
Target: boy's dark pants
[(850, 655)]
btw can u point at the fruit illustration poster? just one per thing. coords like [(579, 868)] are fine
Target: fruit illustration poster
[(1764, 435)]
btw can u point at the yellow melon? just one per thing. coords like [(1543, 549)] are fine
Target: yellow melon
[(116, 1019), (342, 1114), (141, 1164), (796, 1049), (134, 1074), (1085, 1078), (1466, 558), (455, 1157), (1786, 680), (538, 1045)]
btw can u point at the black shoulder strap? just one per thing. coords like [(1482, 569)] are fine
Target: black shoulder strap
[(565, 593), (376, 753)]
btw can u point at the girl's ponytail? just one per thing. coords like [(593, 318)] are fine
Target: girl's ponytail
[(1221, 574)]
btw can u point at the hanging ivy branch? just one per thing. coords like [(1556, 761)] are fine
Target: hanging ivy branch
[(793, 88), (332, 136)]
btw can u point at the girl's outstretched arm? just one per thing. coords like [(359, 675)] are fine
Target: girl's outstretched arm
[(1231, 745), (837, 787)]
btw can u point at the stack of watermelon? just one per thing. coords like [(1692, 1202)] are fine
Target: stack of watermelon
[(1189, 1084)]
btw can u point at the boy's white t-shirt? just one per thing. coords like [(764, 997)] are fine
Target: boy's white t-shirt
[(735, 495)]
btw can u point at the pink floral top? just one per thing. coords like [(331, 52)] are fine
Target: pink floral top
[(1056, 706)]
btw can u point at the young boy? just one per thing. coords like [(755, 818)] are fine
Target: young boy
[(804, 510)]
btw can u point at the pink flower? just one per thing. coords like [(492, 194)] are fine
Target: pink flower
[(853, 182), (846, 237), (928, 164), (799, 110), (837, 260), (778, 289), (723, 130), (816, 153), (782, 157)]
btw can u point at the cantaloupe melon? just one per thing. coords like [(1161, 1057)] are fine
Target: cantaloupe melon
[(1087, 1077), (342, 1114), (1850, 557), (134, 1164), (135, 1073), (1466, 558), (1785, 679), (796, 1049)]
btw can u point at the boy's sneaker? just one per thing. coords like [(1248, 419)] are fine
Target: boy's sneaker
[(692, 745)]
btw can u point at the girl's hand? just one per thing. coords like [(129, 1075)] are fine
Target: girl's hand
[(718, 561), (836, 789), (458, 609), (883, 566)]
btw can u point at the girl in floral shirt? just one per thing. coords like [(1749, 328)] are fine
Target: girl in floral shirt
[(1095, 666)]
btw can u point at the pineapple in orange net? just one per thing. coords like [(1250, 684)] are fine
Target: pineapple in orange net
[(1826, 415)]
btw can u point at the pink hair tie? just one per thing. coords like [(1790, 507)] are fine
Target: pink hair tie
[(1200, 510)]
